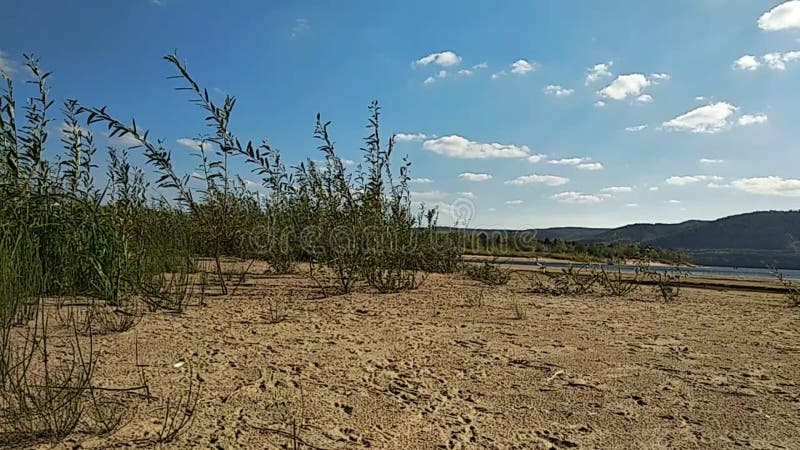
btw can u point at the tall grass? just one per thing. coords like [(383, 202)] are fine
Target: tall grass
[(69, 228)]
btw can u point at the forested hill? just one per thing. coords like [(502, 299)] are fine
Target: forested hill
[(754, 239)]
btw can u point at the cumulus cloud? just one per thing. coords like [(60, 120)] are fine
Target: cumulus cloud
[(469, 195), (645, 98), (444, 59), (429, 80), (673, 202), (768, 186), (691, 179), (632, 205), (479, 66), (598, 71), (658, 77), (522, 66), (533, 159), (590, 166), (782, 17), (617, 189), (194, 144), (469, 176), (6, 64), (599, 104), (625, 85), (411, 137), (751, 119), (576, 197), (465, 72), (778, 60), (557, 90), (653, 188), (636, 128), (746, 62), (426, 196), (547, 180), (568, 161), (458, 147), (514, 202), (705, 119), (420, 180), (711, 162)]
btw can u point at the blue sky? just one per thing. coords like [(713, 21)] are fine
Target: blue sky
[(690, 111)]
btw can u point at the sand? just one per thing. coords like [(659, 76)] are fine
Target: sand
[(437, 368)]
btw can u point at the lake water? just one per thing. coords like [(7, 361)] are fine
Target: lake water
[(710, 271)]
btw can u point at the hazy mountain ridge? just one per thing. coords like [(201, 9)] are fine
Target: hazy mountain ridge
[(755, 239)]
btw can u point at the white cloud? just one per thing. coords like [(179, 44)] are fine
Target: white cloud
[(429, 80), (468, 195), (673, 202), (705, 119), (657, 77), (568, 161), (492, 209), (590, 166), (300, 27), (6, 64), (427, 196), (194, 144), (625, 85), (469, 176), (533, 159), (522, 66), (547, 180), (645, 98), (479, 66), (557, 90), (636, 128), (653, 188), (752, 119), (768, 186), (710, 162), (599, 104), (691, 179), (598, 71), (746, 62), (700, 98), (444, 59), (777, 60), (497, 75), (411, 137), (442, 74), (348, 162), (782, 17), (617, 189), (465, 72), (458, 147), (514, 202), (632, 205), (420, 180), (576, 197)]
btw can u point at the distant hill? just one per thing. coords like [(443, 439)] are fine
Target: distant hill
[(757, 239)]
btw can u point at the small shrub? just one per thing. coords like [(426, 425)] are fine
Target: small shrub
[(791, 289), (488, 273), (667, 283), (616, 284)]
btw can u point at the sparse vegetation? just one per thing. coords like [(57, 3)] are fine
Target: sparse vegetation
[(791, 289), (488, 273), (103, 248)]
